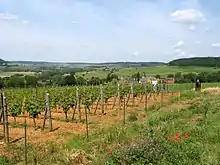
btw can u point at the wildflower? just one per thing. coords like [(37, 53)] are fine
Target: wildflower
[(108, 153), (178, 135), (103, 147), (110, 149), (186, 137), (180, 142), (166, 137), (173, 139)]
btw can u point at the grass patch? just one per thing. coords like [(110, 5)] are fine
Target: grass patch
[(132, 117)]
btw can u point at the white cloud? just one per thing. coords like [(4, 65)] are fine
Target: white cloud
[(8, 17), (216, 45), (136, 53), (109, 31), (188, 16), (192, 27), (75, 22), (179, 44)]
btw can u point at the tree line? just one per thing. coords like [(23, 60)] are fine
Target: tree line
[(191, 77), (197, 61), (53, 79), (56, 79)]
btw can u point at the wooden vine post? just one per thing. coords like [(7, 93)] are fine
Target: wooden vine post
[(129, 95), (78, 103), (124, 108), (132, 93), (162, 94), (102, 99), (119, 96), (47, 114), (145, 97), (25, 141), (5, 117), (87, 124)]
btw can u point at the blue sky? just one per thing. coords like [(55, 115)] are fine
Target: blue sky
[(108, 30)]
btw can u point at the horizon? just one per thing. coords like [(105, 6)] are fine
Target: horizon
[(102, 31), (87, 62)]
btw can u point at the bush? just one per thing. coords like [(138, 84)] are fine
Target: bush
[(162, 151), (132, 117), (143, 151)]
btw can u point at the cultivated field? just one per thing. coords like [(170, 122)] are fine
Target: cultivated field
[(112, 121), (150, 71), (8, 74)]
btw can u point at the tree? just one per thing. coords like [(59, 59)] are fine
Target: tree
[(190, 77), (178, 77), (58, 80), (111, 76), (31, 80), (81, 81), (16, 81), (157, 76), (137, 76), (1, 83), (70, 79), (95, 81), (170, 76)]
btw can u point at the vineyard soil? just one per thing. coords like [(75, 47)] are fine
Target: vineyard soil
[(63, 128)]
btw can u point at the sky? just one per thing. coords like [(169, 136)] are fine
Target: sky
[(108, 30)]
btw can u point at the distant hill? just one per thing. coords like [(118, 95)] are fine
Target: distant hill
[(197, 61), (82, 64), (2, 62)]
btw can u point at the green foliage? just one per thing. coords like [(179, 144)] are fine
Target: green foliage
[(132, 117), (197, 61), (6, 161)]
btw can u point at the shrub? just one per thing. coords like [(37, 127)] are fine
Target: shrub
[(142, 151), (156, 150), (132, 117)]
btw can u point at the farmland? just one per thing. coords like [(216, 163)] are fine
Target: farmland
[(111, 112), (149, 71), (8, 74)]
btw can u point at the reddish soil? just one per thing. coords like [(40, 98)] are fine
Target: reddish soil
[(63, 129)]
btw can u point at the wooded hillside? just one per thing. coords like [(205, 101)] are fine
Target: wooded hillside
[(197, 61)]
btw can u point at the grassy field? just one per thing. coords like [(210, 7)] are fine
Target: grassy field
[(184, 131), (8, 74), (150, 71), (190, 86)]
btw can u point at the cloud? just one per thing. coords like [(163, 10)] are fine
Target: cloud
[(75, 22), (192, 28), (136, 53), (8, 17), (97, 31), (216, 45), (188, 16), (179, 44)]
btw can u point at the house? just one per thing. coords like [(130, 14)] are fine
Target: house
[(170, 81)]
